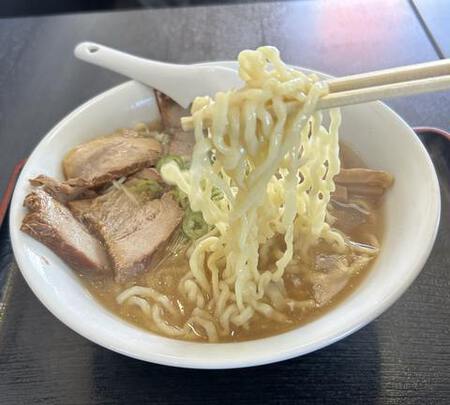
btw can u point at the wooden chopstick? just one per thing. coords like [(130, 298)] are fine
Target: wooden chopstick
[(363, 95), (388, 76), (381, 84)]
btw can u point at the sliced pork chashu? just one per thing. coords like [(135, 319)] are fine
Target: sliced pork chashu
[(53, 224), (132, 230), (100, 161), (148, 173), (63, 191), (104, 159), (369, 177), (170, 111), (181, 142), (366, 182)]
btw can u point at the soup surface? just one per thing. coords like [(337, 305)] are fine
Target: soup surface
[(321, 284)]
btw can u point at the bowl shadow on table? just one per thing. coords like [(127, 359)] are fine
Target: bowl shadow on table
[(349, 368)]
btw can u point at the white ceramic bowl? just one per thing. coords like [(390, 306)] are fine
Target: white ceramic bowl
[(374, 131)]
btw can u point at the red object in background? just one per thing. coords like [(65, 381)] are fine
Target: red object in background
[(6, 198), (432, 131)]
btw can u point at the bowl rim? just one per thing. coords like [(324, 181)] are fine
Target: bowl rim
[(270, 356)]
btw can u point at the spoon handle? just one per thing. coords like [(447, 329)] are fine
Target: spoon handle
[(149, 72), (182, 83)]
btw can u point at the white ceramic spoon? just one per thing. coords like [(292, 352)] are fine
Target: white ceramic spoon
[(168, 78)]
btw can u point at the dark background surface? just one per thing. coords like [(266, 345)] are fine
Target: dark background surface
[(402, 357), (20, 8)]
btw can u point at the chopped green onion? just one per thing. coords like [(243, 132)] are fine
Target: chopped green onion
[(169, 158), (161, 137), (216, 194), (194, 226), (187, 163), (151, 188), (211, 157), (180, 197)]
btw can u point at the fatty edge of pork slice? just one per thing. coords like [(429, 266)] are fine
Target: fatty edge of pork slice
[(51, 223)]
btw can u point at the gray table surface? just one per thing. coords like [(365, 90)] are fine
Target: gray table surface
[(435, 16), (402, 357)]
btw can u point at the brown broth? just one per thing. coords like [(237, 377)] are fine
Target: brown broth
[(166, 278)]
